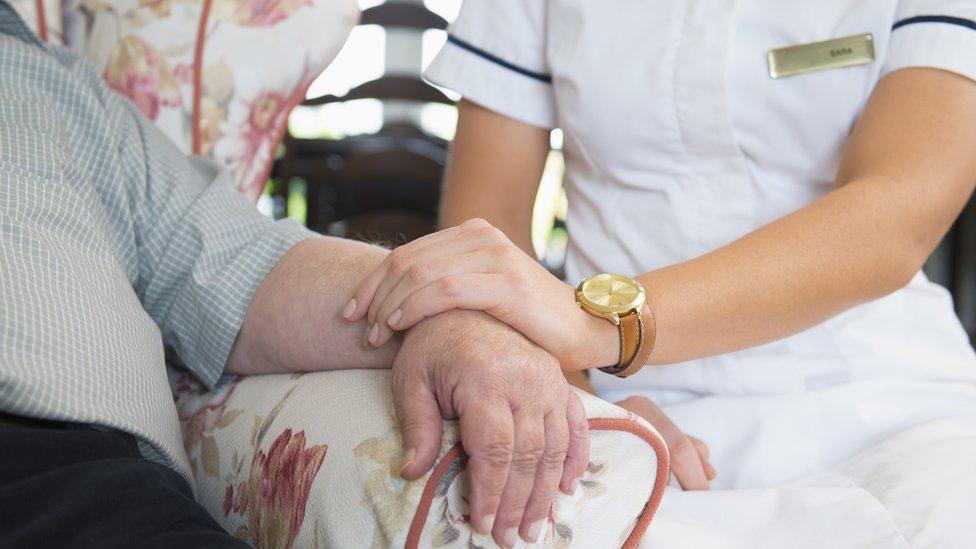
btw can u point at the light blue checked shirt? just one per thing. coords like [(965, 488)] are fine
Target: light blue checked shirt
[(113, 246)]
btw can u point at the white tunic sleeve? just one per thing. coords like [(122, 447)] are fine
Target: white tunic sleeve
[(934, 33), (495, 56)]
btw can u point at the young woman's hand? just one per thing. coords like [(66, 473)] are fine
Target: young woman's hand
[(689, 455), (475, 266)]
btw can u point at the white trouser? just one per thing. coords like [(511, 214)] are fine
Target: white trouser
[(915, 489), (876, 463)]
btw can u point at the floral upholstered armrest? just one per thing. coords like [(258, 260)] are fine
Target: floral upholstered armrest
[(312, 461)]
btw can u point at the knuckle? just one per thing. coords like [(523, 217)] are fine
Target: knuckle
[(493, 385), (579, 427), (535, 383), (399, 262), (476, 356), (398, 380), (497, 234), (497, 450), (449, 287), (490, 234), (516, 510), (505, 309), (527, 459), (412, 425), (402, 384), (475, 223), (632, 400), (417, 273), (553, 458), (682, 448)]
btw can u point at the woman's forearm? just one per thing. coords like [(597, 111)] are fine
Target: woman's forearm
[(843, 250), (477, 186), (907, 172), (494, 172), (905, 177)]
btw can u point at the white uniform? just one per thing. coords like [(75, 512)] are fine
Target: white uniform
[(678, 141)]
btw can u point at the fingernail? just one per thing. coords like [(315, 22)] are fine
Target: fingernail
[(374, 333), (407, 460), (486, 524), (535, 530), (366, 334), (508, 539), (349, 309), (394, 318)]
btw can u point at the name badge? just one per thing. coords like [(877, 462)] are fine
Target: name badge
[(829, 54)]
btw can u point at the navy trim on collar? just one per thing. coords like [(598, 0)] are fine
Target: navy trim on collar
[(936, 19), (542, 77)]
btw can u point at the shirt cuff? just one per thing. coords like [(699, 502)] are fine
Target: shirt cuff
[(494, 83), (231, 294), (935, 42)]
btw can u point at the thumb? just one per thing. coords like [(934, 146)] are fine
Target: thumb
[(419, 419)]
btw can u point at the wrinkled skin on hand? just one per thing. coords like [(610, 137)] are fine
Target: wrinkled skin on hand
[(522, 426)]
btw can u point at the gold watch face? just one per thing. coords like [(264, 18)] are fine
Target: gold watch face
[(611, 293)]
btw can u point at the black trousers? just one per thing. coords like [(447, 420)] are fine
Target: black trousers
[(83, 488)]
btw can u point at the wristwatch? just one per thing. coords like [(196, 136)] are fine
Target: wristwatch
[(621, 300)]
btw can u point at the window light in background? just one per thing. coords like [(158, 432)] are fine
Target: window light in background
[(362, 59)]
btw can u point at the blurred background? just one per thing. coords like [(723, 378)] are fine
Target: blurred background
[(364, 155)]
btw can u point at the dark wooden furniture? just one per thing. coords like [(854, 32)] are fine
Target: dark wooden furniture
[(383, 187), (954, 266)]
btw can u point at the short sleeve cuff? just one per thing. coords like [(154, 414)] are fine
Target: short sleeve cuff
[(224, 320), (948, 44), (226, 302), (494, 83)]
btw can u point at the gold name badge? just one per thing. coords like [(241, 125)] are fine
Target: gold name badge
[(829, 54)]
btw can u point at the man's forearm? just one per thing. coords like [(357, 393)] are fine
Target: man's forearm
[(294, 322)]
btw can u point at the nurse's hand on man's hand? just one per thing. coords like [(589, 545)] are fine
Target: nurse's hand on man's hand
[(689, 455), (475, 266), (523, 428)]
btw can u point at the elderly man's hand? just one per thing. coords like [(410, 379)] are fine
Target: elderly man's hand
[(522, 427)]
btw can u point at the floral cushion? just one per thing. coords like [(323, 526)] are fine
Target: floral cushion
[(42, 16), (312, 460), (218, 76)]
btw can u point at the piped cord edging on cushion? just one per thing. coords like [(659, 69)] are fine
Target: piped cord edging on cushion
[(596, 424), (198, 77), (41, 20), (297, 97)]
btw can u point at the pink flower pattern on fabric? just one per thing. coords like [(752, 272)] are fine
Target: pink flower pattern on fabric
[(275, 495), (188, 78), (136, 70), (267, 115), (206, 419), (258, 13)]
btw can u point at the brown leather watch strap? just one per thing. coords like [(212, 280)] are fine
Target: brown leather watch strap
[(637, 335)]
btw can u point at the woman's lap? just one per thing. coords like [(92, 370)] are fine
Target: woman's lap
[(908, 490), (765, 440)]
